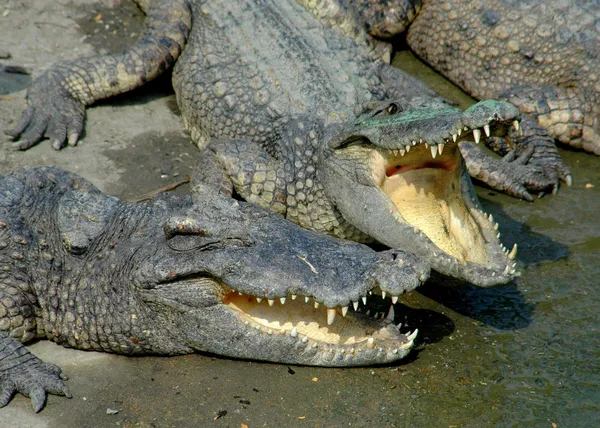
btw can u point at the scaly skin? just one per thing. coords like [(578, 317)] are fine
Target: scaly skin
[(308, 46), (270, 88), (542, 56), (88, 271)]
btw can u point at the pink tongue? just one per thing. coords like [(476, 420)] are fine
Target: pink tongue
[(399, 169)]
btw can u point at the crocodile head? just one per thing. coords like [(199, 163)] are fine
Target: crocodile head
[(237, 280), (398, 176)]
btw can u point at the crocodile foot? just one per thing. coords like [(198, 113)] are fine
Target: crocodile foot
[(21, 371), (51, 112), (516, 175)]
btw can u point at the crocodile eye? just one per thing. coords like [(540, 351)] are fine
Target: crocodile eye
[(392, 108)]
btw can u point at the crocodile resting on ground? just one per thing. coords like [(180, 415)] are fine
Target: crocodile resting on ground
[(296, 112), (543, 56), (177, 275)]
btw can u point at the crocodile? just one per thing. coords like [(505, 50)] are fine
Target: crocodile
[(296, 111), (542, 56), (179, 275)]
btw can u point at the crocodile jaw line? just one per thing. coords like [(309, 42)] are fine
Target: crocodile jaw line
[(426, 191)]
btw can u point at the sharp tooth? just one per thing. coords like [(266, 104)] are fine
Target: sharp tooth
[(454, 137), (477, 135), (414, 143), (294, 332), (306, 299), (344, 310), (258, 300), (271, 301), (440, 148), (282, 300), (304, 339), (406, 345), (391, 313), (364, 300), (413, 335), (316, 305), (433, 151), (368, 313), (330, 315), (569, 180), (371, 343), (399, 326), (498, 235), (294, 296), (355, 305), (486, 129), (459, 131), (383, 294), (496, 226), (506, 270), (491, 218), (402, 152), (407, 147), (240, 293), (516, 124), (394, 299), (395, 351), (513, 252)]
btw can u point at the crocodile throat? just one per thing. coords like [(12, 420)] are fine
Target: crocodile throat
[(426, 192)]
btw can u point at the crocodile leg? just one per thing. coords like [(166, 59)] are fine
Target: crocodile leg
[(257, 177), (57, 99), (20, 370), (568, 114)]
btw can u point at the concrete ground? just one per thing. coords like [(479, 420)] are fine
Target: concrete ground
[(134, 144)]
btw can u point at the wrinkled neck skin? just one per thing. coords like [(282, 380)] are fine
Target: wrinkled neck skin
[(83, 274)]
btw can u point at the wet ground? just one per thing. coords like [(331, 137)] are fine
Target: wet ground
[(520, 355)]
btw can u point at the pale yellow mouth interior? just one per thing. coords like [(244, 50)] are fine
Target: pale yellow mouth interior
[(427, 193), (301, 319)]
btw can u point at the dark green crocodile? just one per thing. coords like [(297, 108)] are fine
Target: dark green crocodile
[(296, 112), (177, 275), (542, 56)]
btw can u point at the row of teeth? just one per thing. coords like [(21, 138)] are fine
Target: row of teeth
[(512, 254), (370, 343), (332, 312), (439, 148)]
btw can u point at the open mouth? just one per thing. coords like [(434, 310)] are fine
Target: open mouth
[(425, 183), (424, 186), (409, 162), (349, 329)]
